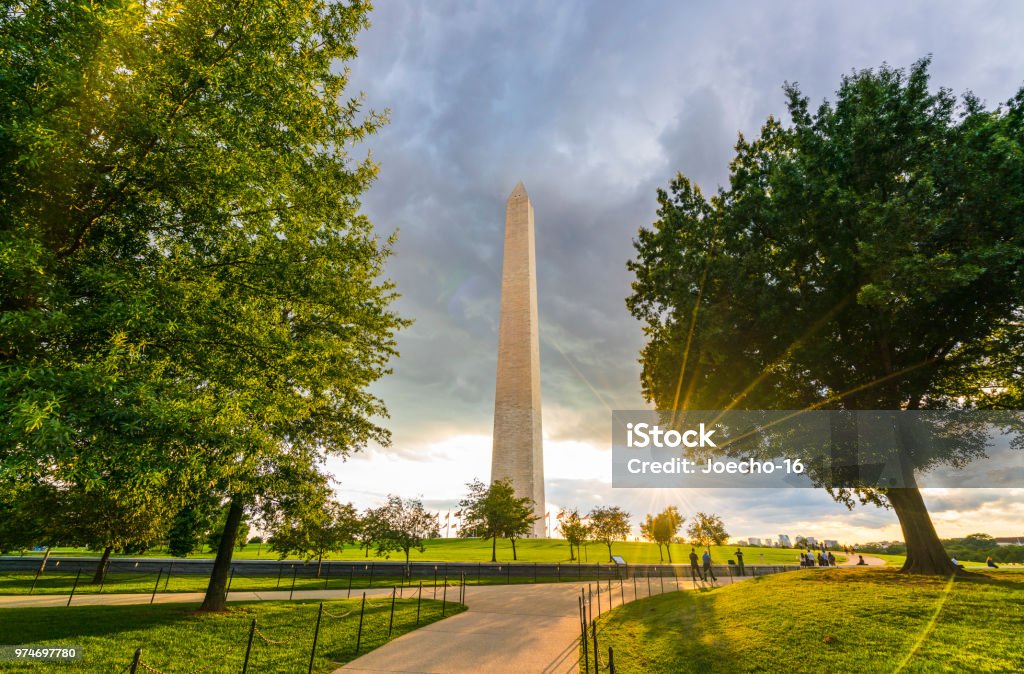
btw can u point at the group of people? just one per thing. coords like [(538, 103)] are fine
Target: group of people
[(696, 571), (823, 558)]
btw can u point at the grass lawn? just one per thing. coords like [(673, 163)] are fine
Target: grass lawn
[(853, 620), (174, 638), (529, 550)]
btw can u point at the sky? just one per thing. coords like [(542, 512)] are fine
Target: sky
[(594, 105)]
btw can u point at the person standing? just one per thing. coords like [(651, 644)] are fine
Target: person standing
[(694, 568), (708, 571), (739, 561)]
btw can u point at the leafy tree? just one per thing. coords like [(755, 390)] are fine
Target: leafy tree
[(707, 529), (573, 530), (402, 524), (519, 520), (864, 257), (662, 528), (317, 532), (181, 221), (495, 511), (609, 524), (188, 527), (216, 530), (368, 531), (130, 521)]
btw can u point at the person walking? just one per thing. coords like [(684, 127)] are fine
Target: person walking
[(694, 568), (739, 561), (708, 571)]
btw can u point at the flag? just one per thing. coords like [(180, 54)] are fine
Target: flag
[(458, 513), (547, 515), (561, 515)]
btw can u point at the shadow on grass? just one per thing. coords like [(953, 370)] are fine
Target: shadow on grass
[(57, 623)]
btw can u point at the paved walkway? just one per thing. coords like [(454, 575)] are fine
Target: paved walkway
[(508, 628)]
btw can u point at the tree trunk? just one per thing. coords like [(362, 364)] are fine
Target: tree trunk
[(514, 558), (216, 590), (101, 569), (610, 551), (572, 554), (925, 554), (668, 549), (494, 549), (661, 556)]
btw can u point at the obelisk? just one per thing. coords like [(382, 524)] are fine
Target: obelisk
[(518, 452)]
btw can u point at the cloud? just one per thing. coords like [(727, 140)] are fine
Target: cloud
[(594, 105)]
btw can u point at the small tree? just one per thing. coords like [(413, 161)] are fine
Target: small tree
[(323, 530), (662, 528), (403, 524), (647, 531), (519, 519), (573, 529), (707, 529), (495, 511), (609, 524)]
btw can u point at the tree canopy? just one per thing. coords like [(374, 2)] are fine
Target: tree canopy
[(402, 525), (494, 511), (866, 256), (608, 524), (707, 529), (662, 528), (191, 295)]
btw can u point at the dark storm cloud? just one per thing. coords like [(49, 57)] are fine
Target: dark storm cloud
[(594, 105)]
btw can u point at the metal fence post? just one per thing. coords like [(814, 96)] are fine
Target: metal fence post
[(593, 629), (157, 586), (661, 579), (583, 635), (419, 598), (598, 597), (635, 595), (316, 633), (391, 619), (36, 579), (444, 596), (136, 659), (359, 634), (231, 579), (74, 586), (248, 646), (611, 660)]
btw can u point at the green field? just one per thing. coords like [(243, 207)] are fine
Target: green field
[(831, 620), (174, 638), (529, 550)]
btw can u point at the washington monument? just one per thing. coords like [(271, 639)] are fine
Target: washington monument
[(518, 452)]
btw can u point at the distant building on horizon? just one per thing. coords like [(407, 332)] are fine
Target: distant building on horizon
[(754, 541), (829, 543), (784, 541), (811, 541), (1009, 540)]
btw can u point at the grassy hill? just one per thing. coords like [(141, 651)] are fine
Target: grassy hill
[(834, 620), (529, 550)]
